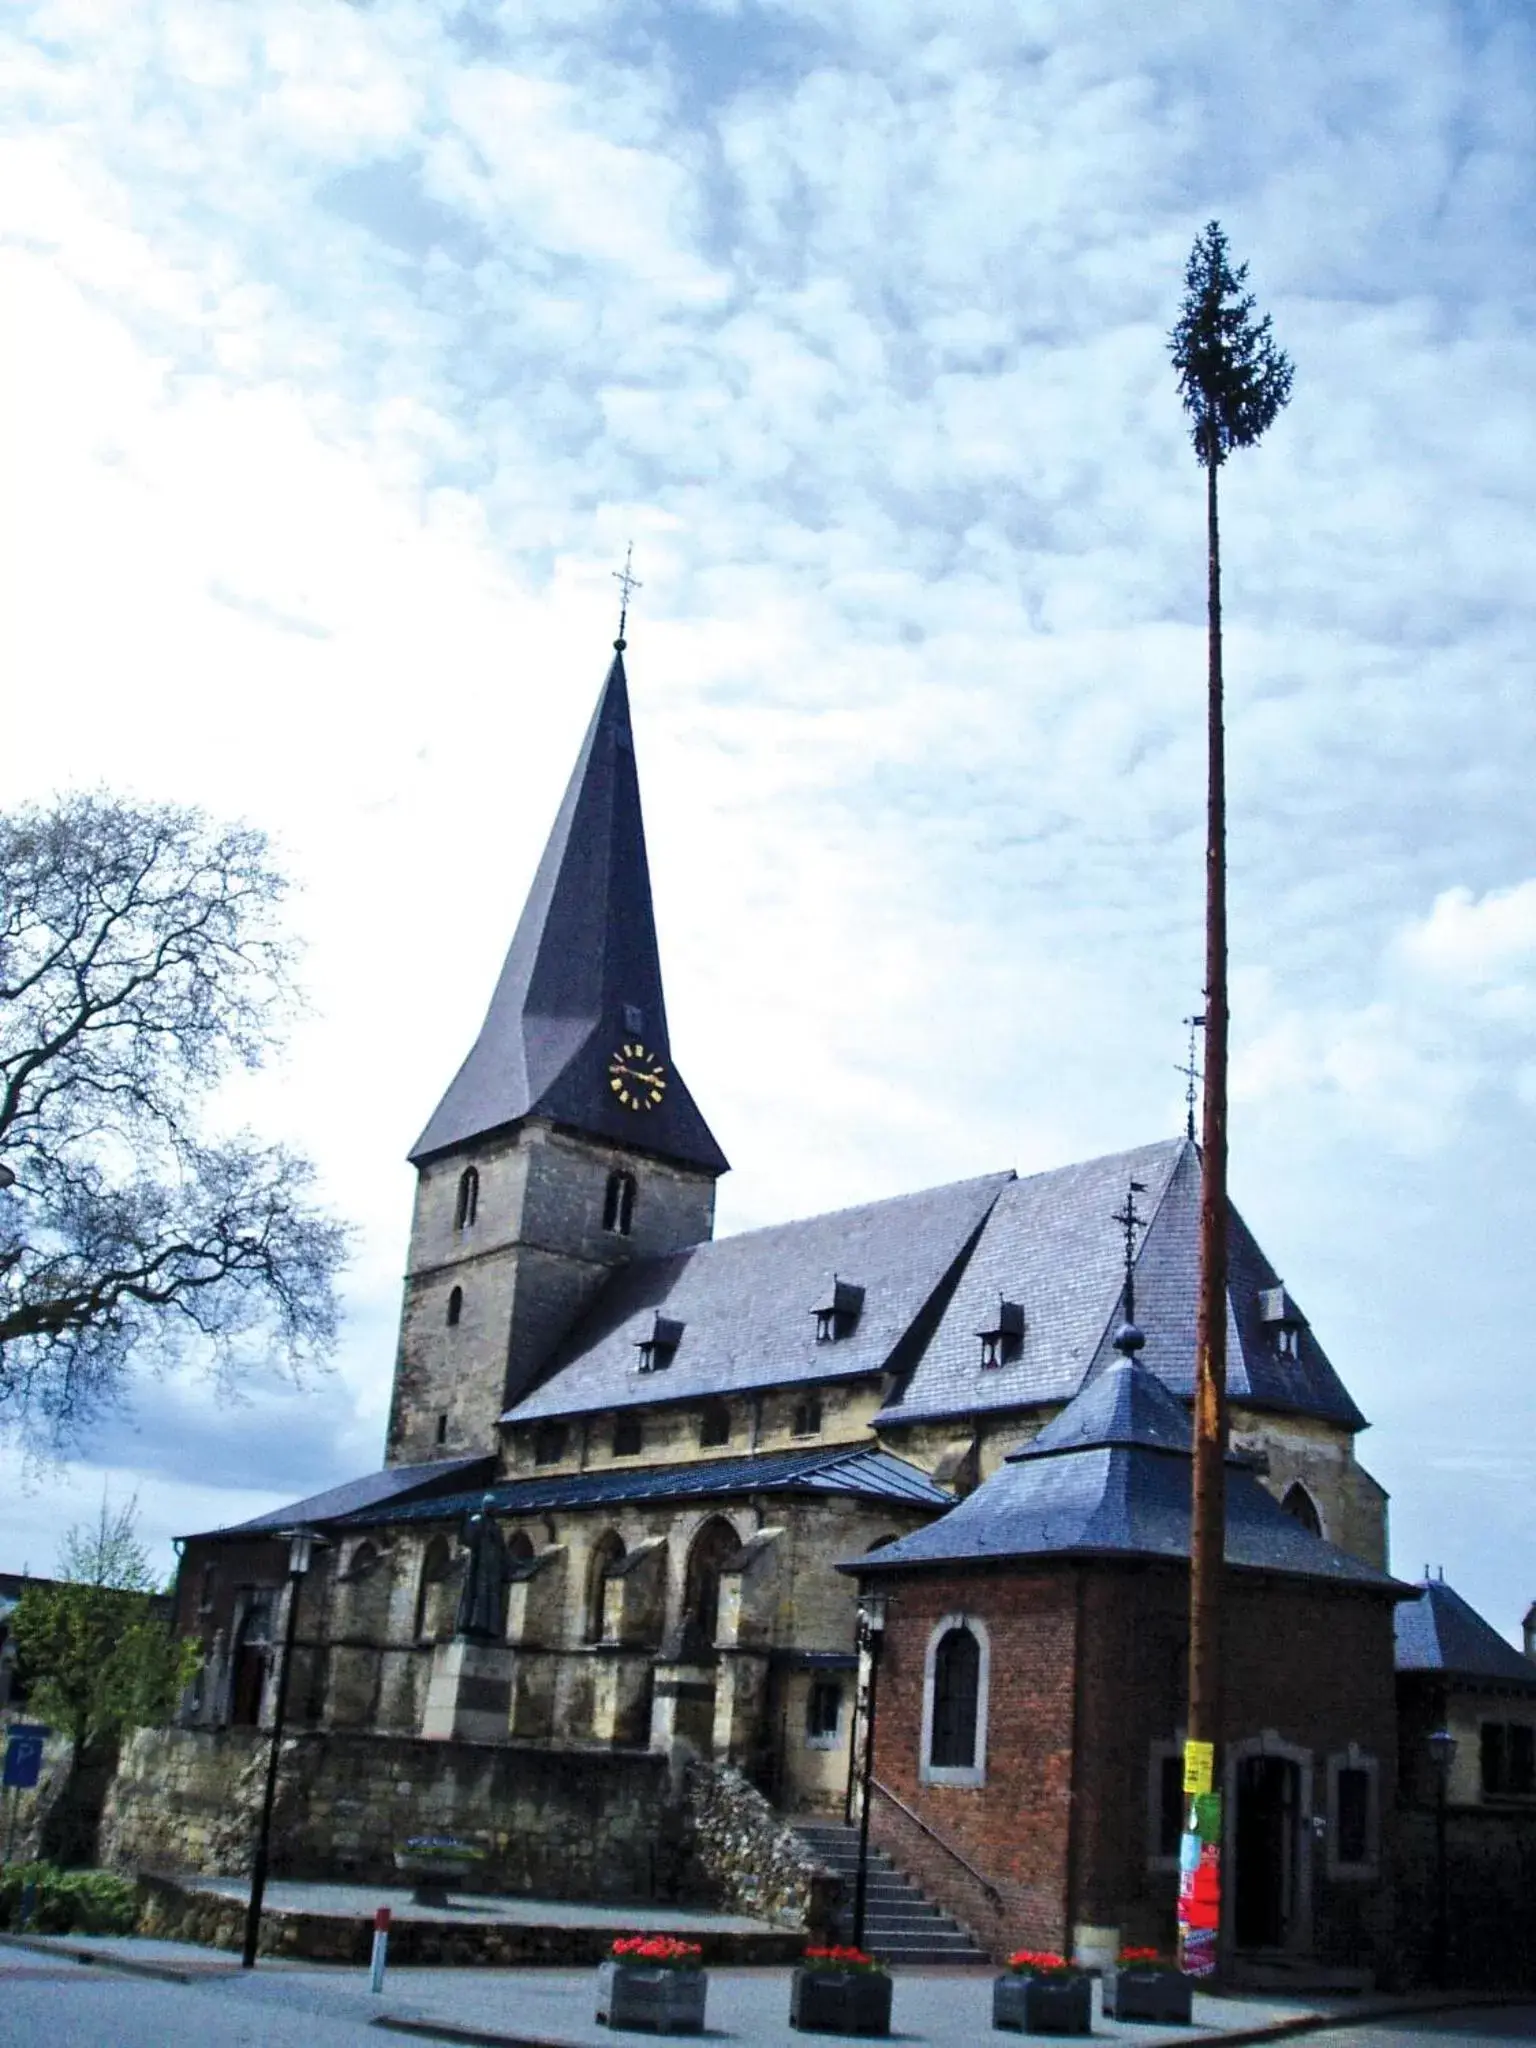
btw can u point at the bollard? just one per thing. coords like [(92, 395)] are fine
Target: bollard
[(380, 1948)]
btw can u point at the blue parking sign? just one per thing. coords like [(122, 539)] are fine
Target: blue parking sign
[(24, 1755)]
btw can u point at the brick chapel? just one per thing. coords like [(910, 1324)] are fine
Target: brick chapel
[(680, 1439)]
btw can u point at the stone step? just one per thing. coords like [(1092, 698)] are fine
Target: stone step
[(901, 1924)]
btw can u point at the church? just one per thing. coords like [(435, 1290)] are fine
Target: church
[(682, 1446)]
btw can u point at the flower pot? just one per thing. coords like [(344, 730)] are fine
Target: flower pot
[(433, 1877), (1043, 2005), (840, 2001), (644, 1995), (1136, 1991)]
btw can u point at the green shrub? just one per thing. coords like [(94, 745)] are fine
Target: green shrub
[(69, 1901)]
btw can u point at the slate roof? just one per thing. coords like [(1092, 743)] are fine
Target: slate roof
[(582, 978), (389, 1490), (846, 1470), (746, 1305), (1440, 1632), (1113, 1484), (1050, 1244)]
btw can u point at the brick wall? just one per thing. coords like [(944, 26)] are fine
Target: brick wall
[(1087, 1675)]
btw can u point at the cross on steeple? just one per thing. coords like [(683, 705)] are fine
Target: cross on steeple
[(1130, 1222), (1192, 1074), (626, 584)]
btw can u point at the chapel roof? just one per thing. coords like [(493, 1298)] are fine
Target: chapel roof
[(1116, 1483), (1440, 1632), (582, 978), (387, 1491), (853, 1471)]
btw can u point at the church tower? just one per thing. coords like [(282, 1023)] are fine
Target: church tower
[(567, 1142)]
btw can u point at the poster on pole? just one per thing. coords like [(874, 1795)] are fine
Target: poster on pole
[(1200, 1884)]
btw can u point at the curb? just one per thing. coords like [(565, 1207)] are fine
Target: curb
[(129, 1966), (466, 2037)]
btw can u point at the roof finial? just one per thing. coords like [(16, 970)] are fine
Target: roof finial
[(1128, 1339), (626, 583), (1192, 1075)]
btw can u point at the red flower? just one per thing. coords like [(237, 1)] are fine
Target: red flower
[(843, 1959), (657, 1951), (1035, 1962)]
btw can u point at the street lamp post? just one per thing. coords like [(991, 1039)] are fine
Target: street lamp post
[(871, 1639), (301, 1544), (1442, 1750)]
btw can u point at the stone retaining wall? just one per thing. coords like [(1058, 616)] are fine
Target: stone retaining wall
[(595, 1824), (746, 1858)]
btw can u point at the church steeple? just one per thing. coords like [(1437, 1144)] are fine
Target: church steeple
[(577, 1027)]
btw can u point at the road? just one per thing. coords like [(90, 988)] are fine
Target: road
[(53, 2003)]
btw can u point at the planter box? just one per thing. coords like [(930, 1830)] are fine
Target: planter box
[(640, 1995), (1043, 2005), (1134, 1993), (840, 2002)]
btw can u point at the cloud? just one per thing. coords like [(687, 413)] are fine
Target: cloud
[(350, 349)]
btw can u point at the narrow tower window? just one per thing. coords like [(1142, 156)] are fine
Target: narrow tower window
[(1300, 1504), (619, 1203), (455, 1307), (469, 1199)]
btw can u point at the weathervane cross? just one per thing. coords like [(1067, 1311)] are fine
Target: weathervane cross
[(626, 584), (1130, 1222), (1192, 1074)]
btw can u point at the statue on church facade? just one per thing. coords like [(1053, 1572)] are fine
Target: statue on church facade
[(482, 1597)]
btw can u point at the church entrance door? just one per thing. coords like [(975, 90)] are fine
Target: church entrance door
[(1265, 1903)]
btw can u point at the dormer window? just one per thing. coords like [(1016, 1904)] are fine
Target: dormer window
[(658, 1349), (838, 1314), (468, 1203), (1283, 1320), (619, 1203), (1003, 1339)]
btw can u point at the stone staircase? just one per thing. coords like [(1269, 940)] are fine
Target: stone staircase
[(901, 1925)]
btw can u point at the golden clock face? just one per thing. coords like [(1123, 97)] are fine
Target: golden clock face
[(637, 1077)]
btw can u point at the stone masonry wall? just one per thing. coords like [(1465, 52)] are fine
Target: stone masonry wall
[(741, 1854), (590, 1824)]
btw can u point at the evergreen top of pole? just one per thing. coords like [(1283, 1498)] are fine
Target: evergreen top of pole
[(1232, 377)]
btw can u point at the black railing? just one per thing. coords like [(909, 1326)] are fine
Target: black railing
[(977, 1877)]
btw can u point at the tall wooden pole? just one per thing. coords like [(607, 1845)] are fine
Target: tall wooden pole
[(1208, 1518)]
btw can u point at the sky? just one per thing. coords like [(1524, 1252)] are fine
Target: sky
[(346, 347)]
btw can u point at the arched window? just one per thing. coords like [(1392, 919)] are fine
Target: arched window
[(436, 1570), (619, 1203), (607, 1553), (455, 1307), (468, 1203), (714, 1543), (955, 1703), (1300, 1504), (519, 1547), (714, 1424)]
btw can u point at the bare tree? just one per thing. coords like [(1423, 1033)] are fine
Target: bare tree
[(141, 961), (1233, 381)]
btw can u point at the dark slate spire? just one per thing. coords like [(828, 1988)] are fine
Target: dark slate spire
[(582, 979)]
